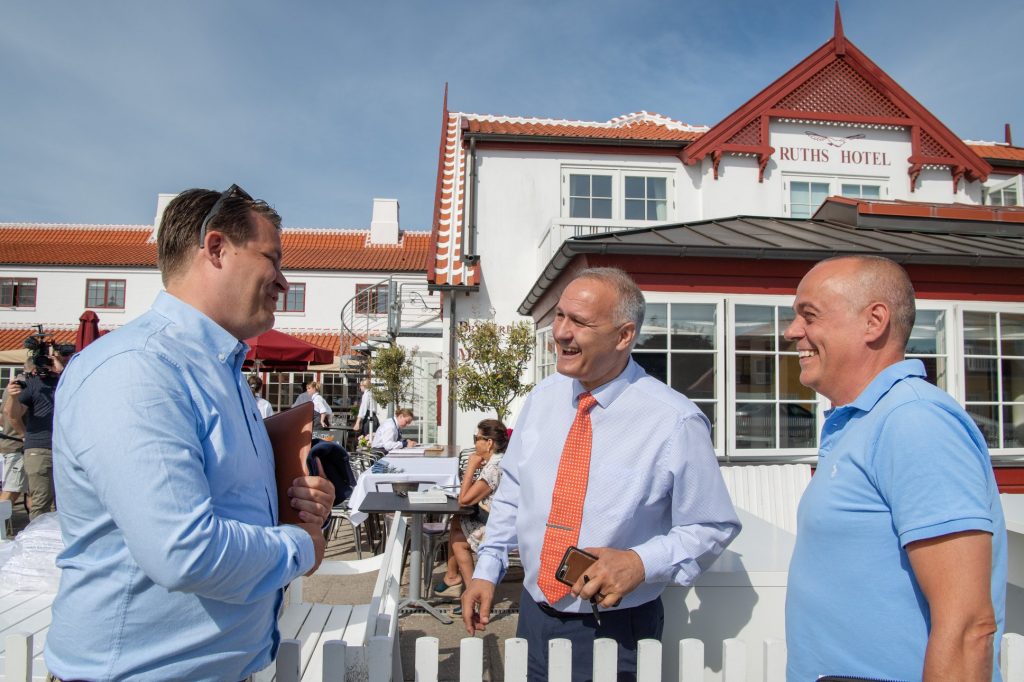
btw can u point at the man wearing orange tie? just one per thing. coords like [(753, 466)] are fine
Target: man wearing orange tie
[(610, 460)]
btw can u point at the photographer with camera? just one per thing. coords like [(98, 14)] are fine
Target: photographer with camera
[(30, 411), (12, 445)]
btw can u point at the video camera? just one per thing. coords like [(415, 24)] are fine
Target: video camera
[(42, 346)]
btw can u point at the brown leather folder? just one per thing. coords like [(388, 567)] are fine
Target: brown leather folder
[(291, 435)]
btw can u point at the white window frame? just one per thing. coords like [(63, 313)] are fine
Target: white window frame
[(835, 186), (618, 175), (541, 368), (1016, 181)]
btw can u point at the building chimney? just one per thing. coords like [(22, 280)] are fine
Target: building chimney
[(1009, 137), (161, 205), (384, 224)]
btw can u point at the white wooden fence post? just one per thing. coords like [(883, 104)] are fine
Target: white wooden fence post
[(18, 665), (648, 659), (378, 658), (334, 661), (471, 659), (288, 660), (1011, 657), (774, 660), (559, 660), (426, 659), (734, 660), (606, 660), (516, 656), (691, 660)]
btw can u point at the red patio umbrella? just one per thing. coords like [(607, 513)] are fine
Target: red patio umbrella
[(279, 351), (88, 330)]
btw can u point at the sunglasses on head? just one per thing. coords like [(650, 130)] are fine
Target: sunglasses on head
[(232, 191), (479, 438)]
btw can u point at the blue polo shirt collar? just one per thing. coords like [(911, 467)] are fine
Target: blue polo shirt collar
[(885, 380), (230, 351)]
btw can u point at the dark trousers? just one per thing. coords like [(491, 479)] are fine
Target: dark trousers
[(538, 624)]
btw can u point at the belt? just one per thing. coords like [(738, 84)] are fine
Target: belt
[(549, 610)]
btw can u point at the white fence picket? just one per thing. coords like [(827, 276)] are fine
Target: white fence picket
[(559, 660), (334, 661), (691, 660), (516, 654), (1011, 657), (471, 659), (18, 657), (426, 659), (774, 660), (648, 659), (734, 660), (606, 660), (378, 656), (288, 660)]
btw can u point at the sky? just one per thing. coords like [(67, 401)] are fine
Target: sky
[(318, 106)]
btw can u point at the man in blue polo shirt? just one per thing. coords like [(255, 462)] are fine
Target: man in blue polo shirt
[(899, 570)]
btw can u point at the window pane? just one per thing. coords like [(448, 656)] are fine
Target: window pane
[(786, 316), (799, 193), (851, 191), (981, 379), (870, 191), (634, 187), (755, 425), (755, 327), (579, 185), (1011, 332), (1013, 381), (797, 425), (656, 364), (654, 332), (755, 376), (602, 208), (7, 292), (1013, 426), (935, 371), (579, 208), (819, 191), (693, 374), (987, 419), (979, 333), (656, 188), (95, 293), (709, 411), (27, 292), (657, 210), (929, 333), (634, 209), (790, 387), (693, 326), (602, 186)]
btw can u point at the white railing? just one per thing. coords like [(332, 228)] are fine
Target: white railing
[(561, 229), (391, 308)]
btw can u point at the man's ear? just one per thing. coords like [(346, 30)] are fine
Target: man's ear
[(214, 246), (877, 318), (627, 333)]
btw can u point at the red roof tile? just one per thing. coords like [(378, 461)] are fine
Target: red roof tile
[(997, 152), (129, 246), (14, 337), (638, 126)]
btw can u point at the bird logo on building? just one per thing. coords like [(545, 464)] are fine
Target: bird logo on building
[(832, 141)]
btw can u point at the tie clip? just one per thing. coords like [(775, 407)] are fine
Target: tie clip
[(557, 527)]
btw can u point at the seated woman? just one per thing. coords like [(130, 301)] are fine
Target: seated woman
[(467, 532)]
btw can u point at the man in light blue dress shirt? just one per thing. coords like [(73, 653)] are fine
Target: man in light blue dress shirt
[(656, 509), (899, 569), (174, 565)]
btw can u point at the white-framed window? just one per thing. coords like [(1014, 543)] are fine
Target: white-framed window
[(805, 194), (593, 193), (993, 374), (294, 301), (1005, 193), (545, 355)]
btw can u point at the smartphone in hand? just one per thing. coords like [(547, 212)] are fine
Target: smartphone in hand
[(574, 563)]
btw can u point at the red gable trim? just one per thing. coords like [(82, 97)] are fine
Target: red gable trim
[(745, 131)]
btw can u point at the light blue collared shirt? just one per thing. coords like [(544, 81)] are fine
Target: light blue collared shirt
[(174, 565), (654, 484)]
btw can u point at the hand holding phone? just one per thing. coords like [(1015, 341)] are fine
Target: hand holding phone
[(574, 563)]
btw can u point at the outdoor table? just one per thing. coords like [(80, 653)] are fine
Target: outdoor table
[(444, 471), (391, 502)]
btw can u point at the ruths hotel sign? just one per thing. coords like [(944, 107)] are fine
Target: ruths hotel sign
[(833, 151)]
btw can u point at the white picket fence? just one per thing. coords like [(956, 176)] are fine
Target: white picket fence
[(735, 655)]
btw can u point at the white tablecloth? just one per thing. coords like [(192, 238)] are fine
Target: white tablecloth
[(437, 470)]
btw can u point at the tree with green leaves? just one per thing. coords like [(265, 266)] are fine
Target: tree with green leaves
[(392, 375), (489, 373)]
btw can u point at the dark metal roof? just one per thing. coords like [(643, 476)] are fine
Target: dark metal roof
[(759, 238)]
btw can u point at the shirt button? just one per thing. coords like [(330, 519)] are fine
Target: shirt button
[(221, 357)]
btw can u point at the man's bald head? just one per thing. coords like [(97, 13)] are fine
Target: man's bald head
[(875, 278)]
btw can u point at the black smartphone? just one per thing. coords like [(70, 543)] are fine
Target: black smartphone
[(574, 562)]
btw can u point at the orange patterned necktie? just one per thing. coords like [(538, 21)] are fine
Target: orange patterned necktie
[(563, 527)]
